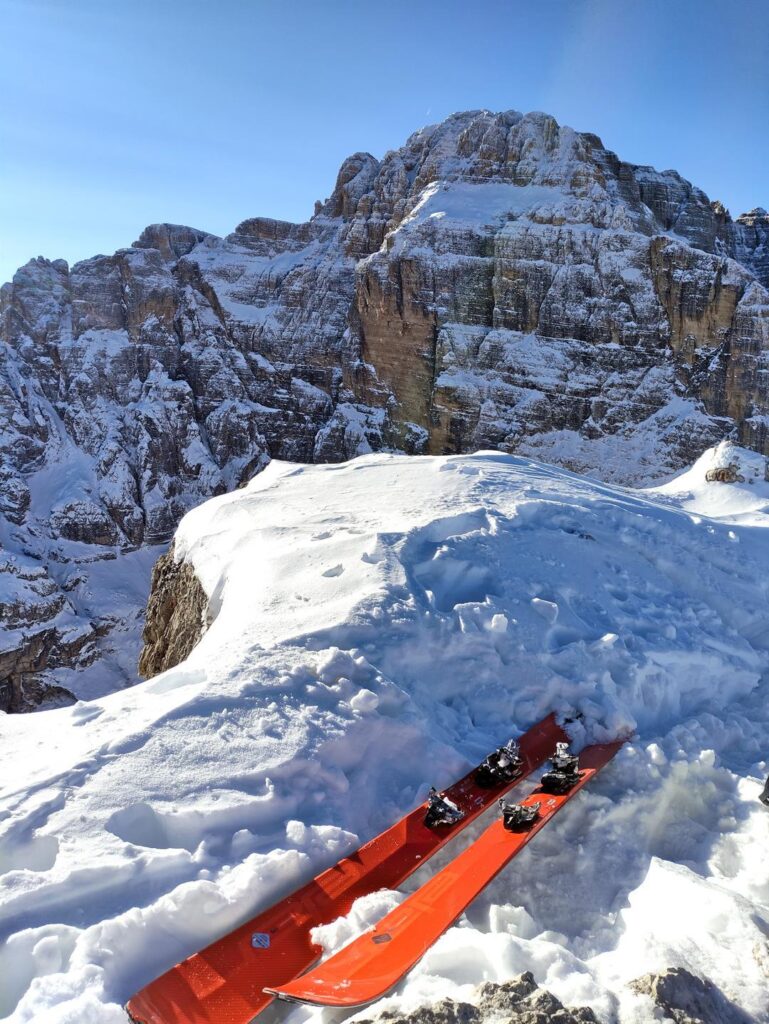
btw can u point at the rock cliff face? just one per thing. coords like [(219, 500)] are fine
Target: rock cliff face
[(176, 615), (500, 281)]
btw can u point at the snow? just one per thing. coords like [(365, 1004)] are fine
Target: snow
[(745, 501), (103, 585), (380, 625), (237, 273), (112, 590), (479, 203)]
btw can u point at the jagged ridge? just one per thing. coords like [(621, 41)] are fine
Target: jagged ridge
[(500, 281)]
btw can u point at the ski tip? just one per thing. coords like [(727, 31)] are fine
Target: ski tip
[(277, 994)]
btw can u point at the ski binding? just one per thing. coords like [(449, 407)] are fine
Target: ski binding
[(518, 817), (501, 766), (564, 772), (441, 810)]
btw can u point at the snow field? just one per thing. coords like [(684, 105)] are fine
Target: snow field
[(379, 626)]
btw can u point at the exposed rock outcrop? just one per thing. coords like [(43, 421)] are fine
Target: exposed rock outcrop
[(686, 999), (176, 615), (39, 632), (519, 1001), (21, 686), (499, 281)]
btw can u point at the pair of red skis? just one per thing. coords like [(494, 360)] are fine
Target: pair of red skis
[(235, 978)]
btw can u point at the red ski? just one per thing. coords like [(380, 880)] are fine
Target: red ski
[(224, 983), (372, 964)]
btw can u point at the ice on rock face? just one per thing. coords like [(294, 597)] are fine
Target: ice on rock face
[(316, 710)]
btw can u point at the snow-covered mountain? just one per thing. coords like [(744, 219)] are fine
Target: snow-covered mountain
[(499, 281), (376, 627)]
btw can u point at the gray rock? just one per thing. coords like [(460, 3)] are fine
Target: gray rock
[(518, 1001), (687, 999), (176, 616), (172, 241)]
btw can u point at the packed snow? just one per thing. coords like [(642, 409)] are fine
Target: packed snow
[(379, 626)]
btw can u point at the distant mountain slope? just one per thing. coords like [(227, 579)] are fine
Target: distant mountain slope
[(500, 281)]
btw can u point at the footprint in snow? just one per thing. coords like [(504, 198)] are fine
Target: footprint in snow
[(335, 570), (372, 557), (82, 713), (547, 609)]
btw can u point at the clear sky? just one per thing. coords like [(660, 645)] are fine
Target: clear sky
[(119, 113)]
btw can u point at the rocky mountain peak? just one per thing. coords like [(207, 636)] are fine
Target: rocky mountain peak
[(355, 179), (172, 241), (500, 281), (754, 216)]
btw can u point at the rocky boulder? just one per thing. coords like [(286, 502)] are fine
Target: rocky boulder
[(686, 999)]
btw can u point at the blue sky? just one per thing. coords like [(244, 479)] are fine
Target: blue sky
[(119, 113)]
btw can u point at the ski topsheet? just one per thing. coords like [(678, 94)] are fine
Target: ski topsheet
[(372, 964), (224, 983)]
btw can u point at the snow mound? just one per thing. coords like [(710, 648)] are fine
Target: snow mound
[(726, 482), (378, 626)]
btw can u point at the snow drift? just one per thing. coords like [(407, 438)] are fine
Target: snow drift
[(377, 626)]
